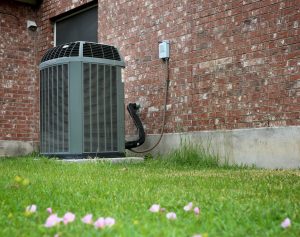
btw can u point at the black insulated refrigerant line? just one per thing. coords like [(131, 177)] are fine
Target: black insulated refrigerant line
[(138, 121), (132, 110)]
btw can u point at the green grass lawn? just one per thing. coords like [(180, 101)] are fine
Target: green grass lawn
[(233, 201)]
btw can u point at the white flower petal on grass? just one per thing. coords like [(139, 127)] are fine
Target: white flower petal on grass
[(197, 210), (100, 223), (109, 221), (154, 208), (31, 209), (171, 216), (197, 235), (188, 207), (68, 217), (52, 220), (286, 223), (87, 219)]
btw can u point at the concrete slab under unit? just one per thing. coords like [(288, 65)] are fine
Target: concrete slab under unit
[(111, 160)]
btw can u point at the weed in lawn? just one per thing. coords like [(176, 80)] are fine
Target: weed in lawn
[(197, 156), (189, 155)]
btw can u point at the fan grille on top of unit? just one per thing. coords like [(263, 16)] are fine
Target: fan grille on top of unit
[(92, 50), (66, 50)]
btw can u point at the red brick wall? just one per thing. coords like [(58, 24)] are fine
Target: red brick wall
[(20, 53), (18, 82), (234, 64)]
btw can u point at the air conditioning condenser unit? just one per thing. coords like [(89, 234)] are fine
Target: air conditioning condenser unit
[(82, 101)]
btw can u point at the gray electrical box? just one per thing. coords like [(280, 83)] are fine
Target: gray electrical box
[(164, 49), (82, 101)]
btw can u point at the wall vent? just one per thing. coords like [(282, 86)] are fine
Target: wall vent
[(82, 101)]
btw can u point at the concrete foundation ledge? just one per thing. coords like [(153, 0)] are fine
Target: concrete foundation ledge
[(15, 148), (110, 160), (272, 147)]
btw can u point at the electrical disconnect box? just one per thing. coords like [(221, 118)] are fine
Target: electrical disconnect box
[(164, 49)]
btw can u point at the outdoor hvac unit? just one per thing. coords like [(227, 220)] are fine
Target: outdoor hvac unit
[(82, 101)]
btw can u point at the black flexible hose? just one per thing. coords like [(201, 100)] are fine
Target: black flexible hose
[(132, 109), (164, 112)]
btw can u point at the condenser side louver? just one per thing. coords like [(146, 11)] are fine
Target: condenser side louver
[(82, 101)]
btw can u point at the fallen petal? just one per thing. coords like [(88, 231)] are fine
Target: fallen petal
[(197, 210), (154, 208), (188, 207), (197, 235), (87, 219), (68, 217), (49, 210), (286, 223), (31, 209), (100, 223), (52, 220), (171, 216), (109, 221)]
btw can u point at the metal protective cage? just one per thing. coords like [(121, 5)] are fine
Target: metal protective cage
[(82, 101)]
